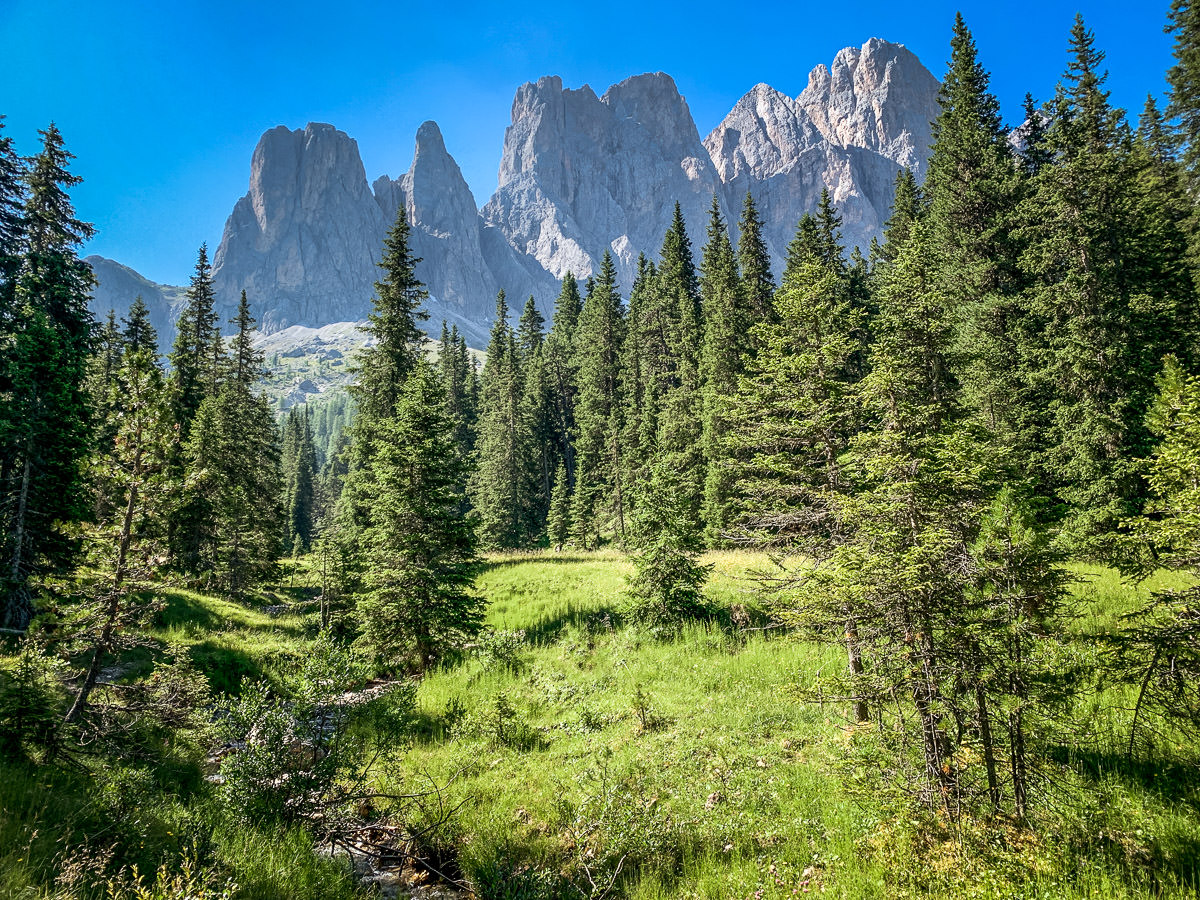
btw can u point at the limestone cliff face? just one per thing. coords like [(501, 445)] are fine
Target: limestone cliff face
[(304, 241), (579, 175), (582, 174), (851, 131)]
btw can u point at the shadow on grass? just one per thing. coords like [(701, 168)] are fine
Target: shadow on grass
[(226, 667), (559, 559), (1171, 780), (592, 620)]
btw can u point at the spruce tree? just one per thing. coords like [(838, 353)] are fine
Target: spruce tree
[(974, 187), (12, 227), (504, 485), (139, 334), (754, 262), (561, 368), (729, 318), (558, 523), (195, 336), (132, 468), (599, 503), (1112, 295), (1184, 79), (393, 322), (45, 426), (417, 604)]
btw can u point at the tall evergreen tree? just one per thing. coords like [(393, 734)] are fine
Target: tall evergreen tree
[(132, 469), (599, 500), (1112, 294), (45, 435), (393, 322), (729, 318), (196, 335), (973, 188), (754, 262), (561, 367), (1184, 79), (504, 485), (420, 560), (299, 480), (138, 333)]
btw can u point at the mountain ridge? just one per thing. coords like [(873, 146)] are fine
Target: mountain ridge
[(579, 175)]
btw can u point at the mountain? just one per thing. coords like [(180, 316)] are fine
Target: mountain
[(118, 285), (579, 175), (851, 131)]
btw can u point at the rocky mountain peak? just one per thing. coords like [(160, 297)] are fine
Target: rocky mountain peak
[(878, 97)]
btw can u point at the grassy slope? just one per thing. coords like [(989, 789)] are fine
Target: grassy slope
[(737, 788)]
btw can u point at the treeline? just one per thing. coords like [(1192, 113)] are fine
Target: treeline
[(927, 431)]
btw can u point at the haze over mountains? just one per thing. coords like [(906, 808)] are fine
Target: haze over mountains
[(579, 174)]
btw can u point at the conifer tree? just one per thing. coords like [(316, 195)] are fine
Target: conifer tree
[(795, 410), (674, 378), (393, 322), (599, 500), (417, 603), (943, 582), (728, 321), (641, 400), (562, 372), (196, 335), (503, 486), (1112, 295), (139, 334), (46, 435), (457, 371), (299, 481), (538, 402), (754, 262), (233, 486), (132, 469), (1184, 79), (382, 371), (558, 523), (974, 188), (908, 208), (12, 227)]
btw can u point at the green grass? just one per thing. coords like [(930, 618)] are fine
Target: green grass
[(696, 764)]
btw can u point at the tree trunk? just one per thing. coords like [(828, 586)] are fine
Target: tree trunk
[(854, 653), (18, 610), (104, 642)]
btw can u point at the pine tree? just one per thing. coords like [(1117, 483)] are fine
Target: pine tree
[(503, 486), (132, 466), (299, 480), (195, 336), (941, 583), (393, 322), (728, 322), (558, 523), (538, 403), (562, 372), (457, 371), (908, 208), (1184, 78), (233, 486), (974, 188), (1112, 295), (12, 227), (754, 261), (795, 410), (599, 502), (674, 378), (46, 434), (419, 549), (382, 370), (139, 334)]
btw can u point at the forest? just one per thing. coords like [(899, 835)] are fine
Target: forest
[(876, 580)]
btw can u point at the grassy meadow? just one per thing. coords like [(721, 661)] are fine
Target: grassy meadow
[(587, 758)]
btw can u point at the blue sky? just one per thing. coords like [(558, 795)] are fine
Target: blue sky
[(162, 102)]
